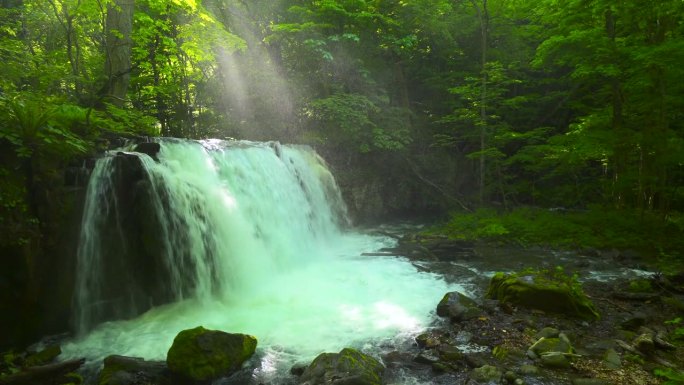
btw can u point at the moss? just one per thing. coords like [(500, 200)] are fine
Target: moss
[(348, 363), (200, 354), (640, 286), (543, 291)]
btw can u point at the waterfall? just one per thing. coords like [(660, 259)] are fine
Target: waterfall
[(242, 237), (209, 218)]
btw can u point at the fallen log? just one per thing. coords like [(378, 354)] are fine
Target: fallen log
[(43, 374)]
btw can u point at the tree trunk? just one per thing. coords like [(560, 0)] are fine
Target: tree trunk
[(119, 25), (483, 16)]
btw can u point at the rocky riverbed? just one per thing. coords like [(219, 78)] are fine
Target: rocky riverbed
[(477, 337)]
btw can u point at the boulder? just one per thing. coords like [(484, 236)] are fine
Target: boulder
[(149, 148), (348, 367), (120, 370), (200, 354), (457, 307), (552, 344), (543, 291), (486, 374)]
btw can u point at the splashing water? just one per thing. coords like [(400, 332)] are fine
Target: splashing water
[(247, 238)]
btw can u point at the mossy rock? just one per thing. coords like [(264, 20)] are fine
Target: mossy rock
[(542, 291), (349, 366), (200, 354), (458, 307), (552, 344)]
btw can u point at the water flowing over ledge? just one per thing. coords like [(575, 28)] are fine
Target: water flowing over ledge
[(237, 236)]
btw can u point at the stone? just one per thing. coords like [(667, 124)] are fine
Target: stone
[(542, 291), (430, 339), (427, 357), (43, 356), (644, 343), (555, 360), (121, 370), (200, 354), (486, 374), (149, 148), (348, 367), (545, 345), (458, 307), (450, 354), (634, 321), (298, 369)]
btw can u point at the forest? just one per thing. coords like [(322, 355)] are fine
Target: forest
[(529, 122)]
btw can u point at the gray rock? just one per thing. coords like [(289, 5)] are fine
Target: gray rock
[(458, 307), (427, 357)]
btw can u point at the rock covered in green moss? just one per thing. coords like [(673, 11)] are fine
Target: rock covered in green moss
[(349, 366), (200, 354), (457, 307), (543, 290)]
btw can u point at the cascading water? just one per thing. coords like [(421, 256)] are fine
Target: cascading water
[(237, 236)]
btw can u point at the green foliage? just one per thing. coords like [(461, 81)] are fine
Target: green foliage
[(598, 227), (670, 376)]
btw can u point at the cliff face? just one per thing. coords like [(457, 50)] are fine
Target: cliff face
[(41, 220)]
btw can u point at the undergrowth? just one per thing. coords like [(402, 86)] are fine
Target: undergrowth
[(599, 228)]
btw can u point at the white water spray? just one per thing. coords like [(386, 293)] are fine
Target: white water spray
[(248, 238)]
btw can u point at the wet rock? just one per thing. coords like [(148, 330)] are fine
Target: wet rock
[(486, 374), (427, 357), (298, 369), (430, 339), (200, 354), (543, 291), (43, 356), (120, 370), (450, 354), (458, 307), (348, 367), (149, 148)]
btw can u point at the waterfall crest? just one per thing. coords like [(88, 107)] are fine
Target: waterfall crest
[(208, 219)]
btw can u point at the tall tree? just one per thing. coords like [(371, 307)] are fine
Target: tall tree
[(118, 29)]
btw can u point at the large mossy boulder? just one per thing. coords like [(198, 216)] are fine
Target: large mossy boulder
[(348, 367), (543, 290), (200, 354), (458, 307)]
